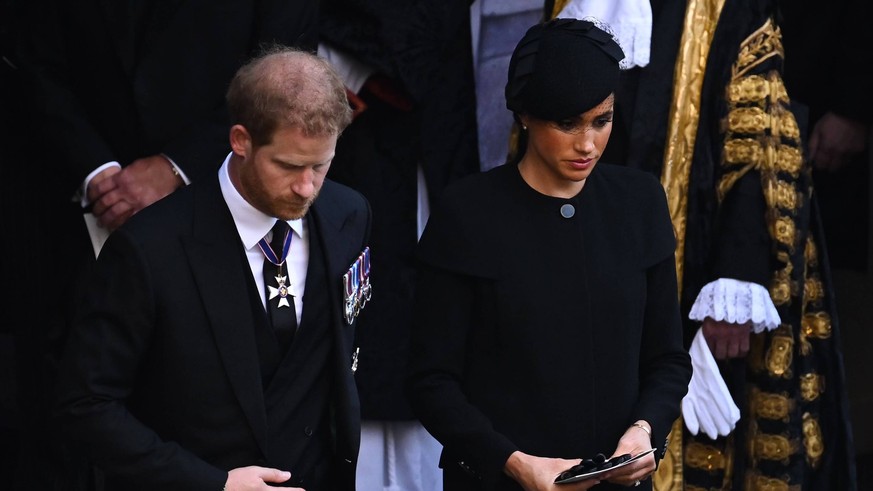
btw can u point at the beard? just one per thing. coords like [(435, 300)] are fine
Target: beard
[(295, 209)]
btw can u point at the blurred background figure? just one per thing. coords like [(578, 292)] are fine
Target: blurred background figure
[(17, 198), (409, 72), (826, 78)]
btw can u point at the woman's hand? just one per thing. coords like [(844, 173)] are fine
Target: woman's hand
[(634, 441), (539, 473)]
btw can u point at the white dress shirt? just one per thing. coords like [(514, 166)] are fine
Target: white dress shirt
[(252, 225)]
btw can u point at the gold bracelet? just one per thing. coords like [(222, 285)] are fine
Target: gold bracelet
[(648, 431), (173, 167)]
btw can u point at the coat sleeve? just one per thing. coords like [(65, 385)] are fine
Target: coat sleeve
[(108, 343)]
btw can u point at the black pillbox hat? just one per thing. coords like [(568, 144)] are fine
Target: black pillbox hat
[(562, 68)]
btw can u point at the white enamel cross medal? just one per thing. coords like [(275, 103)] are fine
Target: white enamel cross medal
[(282, 291)]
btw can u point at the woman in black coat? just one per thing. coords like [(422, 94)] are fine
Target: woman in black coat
[(547, 318)]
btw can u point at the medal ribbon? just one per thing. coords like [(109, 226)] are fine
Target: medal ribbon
[(268, 251)]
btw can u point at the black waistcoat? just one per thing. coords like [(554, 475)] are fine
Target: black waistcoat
[(297, 383)]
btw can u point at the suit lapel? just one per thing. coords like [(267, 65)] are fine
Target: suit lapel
[(222, 277), (331, 223)]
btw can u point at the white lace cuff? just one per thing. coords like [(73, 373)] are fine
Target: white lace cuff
[(736, 302)]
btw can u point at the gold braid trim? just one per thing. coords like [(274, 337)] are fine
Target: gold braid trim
[(810, 254), (782, 288), (784, 231), (764, 43), (558, 7), (780, 354), (758, 482), (813, 290), (761, 134), (817, 325), (812, 385), (812, 440), (767, 405), (705, 457), (701, 17), (781, 194), (774, 447)]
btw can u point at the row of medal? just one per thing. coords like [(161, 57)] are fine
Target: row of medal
[(356, 284)]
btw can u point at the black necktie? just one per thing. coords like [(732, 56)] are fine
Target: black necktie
[(280, 302)]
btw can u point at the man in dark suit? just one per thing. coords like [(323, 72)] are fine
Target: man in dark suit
[(125, 103), (177, 374)]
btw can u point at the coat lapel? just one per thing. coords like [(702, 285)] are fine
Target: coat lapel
[(331, 224), (222, 276)]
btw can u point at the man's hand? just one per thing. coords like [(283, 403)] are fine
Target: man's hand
[(726, 340), (118, 196), (254, 478), (835, 140), (539, 473), (96, 190)]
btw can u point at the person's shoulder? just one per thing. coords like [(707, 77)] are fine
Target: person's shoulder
[(341, 196), (638, 201), (627, 184), (621, 175), (164, 214), (478, 187)]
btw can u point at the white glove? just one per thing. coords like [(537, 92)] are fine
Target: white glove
[(708, 405)]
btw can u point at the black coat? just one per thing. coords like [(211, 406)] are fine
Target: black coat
[(544, 334), (424, 49)]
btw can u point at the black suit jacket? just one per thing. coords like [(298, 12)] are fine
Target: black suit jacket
[(160, 383)]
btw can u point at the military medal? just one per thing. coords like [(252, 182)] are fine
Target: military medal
[(281, 290), (356, 286)]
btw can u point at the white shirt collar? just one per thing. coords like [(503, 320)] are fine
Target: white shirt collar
[(251, 224)]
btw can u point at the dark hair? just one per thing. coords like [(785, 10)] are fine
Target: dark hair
[(562, 68), (288, 87)]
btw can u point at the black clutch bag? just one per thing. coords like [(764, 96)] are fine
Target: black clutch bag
[(597, 465)]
